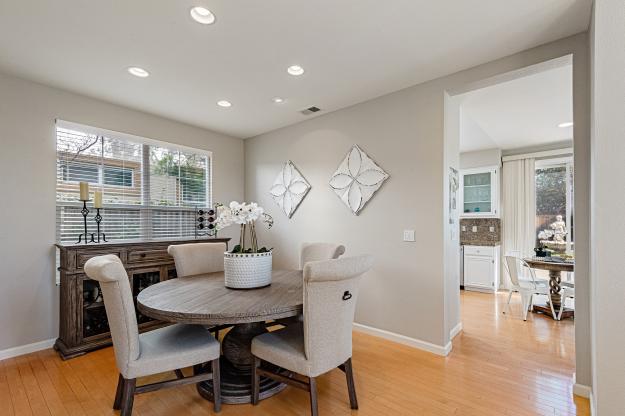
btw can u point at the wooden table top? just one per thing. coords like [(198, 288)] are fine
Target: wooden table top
[(559, 266), (203, 299)]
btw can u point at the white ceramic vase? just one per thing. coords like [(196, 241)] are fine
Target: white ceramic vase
[(247, 270)]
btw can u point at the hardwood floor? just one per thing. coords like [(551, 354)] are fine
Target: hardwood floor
[(499, 365)]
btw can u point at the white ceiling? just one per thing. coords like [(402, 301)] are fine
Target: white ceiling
[(520, 113), (352, 50)]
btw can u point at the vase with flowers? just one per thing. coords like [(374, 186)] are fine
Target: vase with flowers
[(247, 266)]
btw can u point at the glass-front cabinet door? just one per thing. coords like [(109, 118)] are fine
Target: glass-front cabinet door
[(480, 192)]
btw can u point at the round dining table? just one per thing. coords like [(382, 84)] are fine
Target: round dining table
[(555, 268), (204, 300)]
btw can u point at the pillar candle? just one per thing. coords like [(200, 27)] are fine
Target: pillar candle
[(84, 191), (97, 199)]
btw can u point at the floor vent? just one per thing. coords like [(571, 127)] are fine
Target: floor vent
[(310, 110)]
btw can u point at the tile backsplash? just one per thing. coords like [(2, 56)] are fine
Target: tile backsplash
[(483, 235)]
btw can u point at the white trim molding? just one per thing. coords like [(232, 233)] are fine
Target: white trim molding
[(402, 339), (26, 349), (455, 331)]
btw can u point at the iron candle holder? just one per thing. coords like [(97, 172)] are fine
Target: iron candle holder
[(84, 212), (98, 220)]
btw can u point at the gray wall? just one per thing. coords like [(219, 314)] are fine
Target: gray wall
[(608, 204), (28, 295), (410, 288)]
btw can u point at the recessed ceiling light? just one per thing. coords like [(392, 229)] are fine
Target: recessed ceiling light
[(202, 15), (565, 124), (295, 70), (138, 72), (224, 103), (277, 100)]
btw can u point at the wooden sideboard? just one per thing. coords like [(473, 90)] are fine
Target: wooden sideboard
[(83, 325)]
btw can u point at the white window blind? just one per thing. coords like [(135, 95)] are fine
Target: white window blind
[(150, 189)]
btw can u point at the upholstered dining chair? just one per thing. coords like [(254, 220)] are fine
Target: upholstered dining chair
[(313, 252), (161, 350), (324, 340), (197, 258), (319, 251)]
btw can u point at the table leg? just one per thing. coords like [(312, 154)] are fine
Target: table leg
[(555, 278), (236, 365)]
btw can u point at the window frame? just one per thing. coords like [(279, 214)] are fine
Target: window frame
[(145, 208), (567, 163)]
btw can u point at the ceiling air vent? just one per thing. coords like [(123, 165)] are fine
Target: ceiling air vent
[(310, 110)]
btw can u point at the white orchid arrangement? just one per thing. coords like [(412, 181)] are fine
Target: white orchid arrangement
[(246, 216)]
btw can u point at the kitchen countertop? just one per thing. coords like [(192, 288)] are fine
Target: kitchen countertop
[(480, 243)]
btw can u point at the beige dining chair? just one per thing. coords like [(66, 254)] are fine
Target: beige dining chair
[(197, 258), (162, 350), (319, 251), (324, 340), (313, 252)]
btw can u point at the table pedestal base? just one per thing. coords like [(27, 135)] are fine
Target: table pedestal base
[(236, 368), (566, 313), (236, 385)]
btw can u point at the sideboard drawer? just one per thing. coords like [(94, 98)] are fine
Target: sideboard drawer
[(153, 255), (82, 257)]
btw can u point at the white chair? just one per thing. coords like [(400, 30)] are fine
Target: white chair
[(319, 251), (323, 341), (161, 350), (527, 288), (197, 258), (567, 292)]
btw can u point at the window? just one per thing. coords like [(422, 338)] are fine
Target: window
[(150, 189), (554, 197), (113, 176), (95, 174)]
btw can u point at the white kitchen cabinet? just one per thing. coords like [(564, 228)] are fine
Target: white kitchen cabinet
[(479, 192), (481, 268)]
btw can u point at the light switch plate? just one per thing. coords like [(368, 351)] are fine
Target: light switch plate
[(409, 235), (474, 229)]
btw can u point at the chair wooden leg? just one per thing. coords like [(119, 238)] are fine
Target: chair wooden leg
[(312, 382), (118, 394), (255, 381), (351, 388), (216, 385), (128, 396)]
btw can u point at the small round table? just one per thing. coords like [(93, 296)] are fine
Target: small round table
[(204, 300), (555, 269)]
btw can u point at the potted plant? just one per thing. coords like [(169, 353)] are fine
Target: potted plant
[(246, 266)]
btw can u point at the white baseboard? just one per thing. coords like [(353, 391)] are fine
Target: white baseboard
[(455, 330), (402, 339), (26, 349), (582, 390)]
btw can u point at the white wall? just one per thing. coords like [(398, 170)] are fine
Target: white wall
[(407, 292), (480, 158), (28, 295), (608, 205)]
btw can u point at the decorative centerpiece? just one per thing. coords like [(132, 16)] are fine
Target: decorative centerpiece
[(245, 267), (555, 238)]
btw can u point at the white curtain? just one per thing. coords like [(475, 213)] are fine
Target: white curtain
[(519, 209)]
